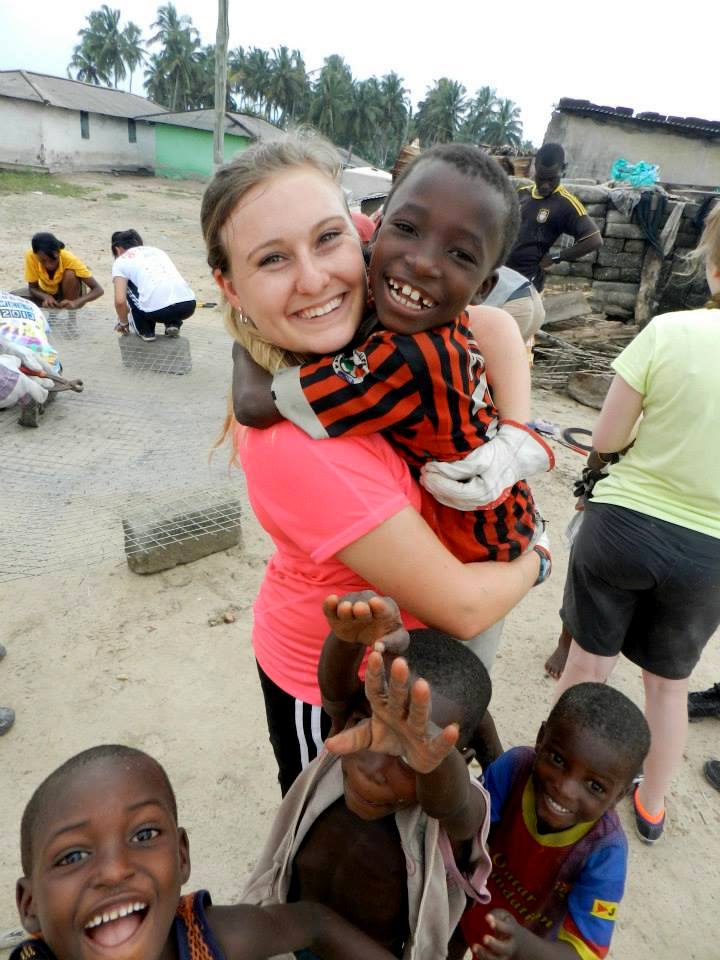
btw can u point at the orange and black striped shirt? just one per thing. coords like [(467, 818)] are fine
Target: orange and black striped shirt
[(428, 393)]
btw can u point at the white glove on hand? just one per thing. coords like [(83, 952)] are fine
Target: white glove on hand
[(542, 548), (484, 477), (16, 387), (27, 358)]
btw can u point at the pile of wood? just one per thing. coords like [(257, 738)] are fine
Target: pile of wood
[(575, 348)]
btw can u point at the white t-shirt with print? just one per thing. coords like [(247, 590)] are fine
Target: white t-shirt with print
[(155, 277)]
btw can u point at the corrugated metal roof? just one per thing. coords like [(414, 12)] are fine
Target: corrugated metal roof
[(236, 124), (74, 94), (627, 115)]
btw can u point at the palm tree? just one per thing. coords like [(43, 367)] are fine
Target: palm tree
[(132, 51), (179, 56), (287, 86), (101, 46), (332, 99), (156, 83), (86, 68), (395, 106), (481, 110), (505, 126), (440, 115), (365, 116)]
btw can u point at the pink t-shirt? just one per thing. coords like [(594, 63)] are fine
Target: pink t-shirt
[(314, 498)]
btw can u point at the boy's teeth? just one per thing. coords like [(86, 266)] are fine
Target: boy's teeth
[(115, 914), (556, 806), (408, 296)]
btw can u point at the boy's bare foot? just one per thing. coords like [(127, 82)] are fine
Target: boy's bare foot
[(555, 663)]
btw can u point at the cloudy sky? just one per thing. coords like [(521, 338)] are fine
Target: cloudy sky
[(649, 57)]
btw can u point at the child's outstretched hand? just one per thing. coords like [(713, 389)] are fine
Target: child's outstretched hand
[(400, 724), (366, 619), (505, 943)]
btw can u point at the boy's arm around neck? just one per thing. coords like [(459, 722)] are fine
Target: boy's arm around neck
[(246, 932), (447, 794), (253, 403)]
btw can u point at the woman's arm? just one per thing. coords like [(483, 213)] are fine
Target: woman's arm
[(403, 558), (615, 427), (506, 360)]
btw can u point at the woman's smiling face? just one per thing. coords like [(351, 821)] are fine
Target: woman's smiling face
[(295, 264)]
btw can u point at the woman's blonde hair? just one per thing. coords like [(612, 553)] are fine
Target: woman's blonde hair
[(302, 148), (709, 246)]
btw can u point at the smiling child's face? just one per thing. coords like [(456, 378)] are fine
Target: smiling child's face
[(578, 776), (437, 247), (108, 862)]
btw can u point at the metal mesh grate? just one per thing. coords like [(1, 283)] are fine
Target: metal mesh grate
[(134, 446)]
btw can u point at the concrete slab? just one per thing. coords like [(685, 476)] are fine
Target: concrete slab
[(155, 542), (165, 355)]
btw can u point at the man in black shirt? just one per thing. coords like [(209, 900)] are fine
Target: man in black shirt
[(549, 210)]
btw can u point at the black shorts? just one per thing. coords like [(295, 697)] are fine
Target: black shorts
[(642, 587)]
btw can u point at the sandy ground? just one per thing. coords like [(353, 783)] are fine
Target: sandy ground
[(100, 655)]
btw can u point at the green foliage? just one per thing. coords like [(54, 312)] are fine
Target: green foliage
[(371, 117)]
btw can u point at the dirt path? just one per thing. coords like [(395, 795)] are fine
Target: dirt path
[(101, 655)]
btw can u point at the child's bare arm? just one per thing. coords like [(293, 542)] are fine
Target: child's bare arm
[(253, 402), (510, 939), (506, 360), (357, 621), (248, 932), (400, 726)]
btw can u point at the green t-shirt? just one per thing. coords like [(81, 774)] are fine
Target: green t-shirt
[(673, 471)]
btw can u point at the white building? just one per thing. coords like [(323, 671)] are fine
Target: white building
[(56, 124)]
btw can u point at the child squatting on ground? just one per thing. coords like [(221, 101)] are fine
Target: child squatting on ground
[(414, 370), (386, 826), (103, 862), (558, 850)]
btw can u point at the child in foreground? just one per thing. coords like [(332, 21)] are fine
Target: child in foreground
[(558, 851), (103, 862), (386, 826), (414, 370)]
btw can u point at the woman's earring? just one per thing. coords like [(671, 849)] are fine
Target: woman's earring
[(243, 318)]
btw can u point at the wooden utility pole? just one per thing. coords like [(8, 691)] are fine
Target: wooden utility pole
[(221, 46)]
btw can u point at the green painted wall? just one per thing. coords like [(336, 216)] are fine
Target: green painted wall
[(182, 152)]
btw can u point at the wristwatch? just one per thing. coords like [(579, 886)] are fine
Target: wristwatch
[(556, 258), (545, 564)]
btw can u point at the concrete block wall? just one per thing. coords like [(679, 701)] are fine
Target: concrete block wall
[(611, 275)]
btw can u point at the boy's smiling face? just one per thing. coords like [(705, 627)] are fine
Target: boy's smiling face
[(577, 775), (108, 862), (437, 247)]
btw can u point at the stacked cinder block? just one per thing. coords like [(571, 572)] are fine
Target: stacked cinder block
[(611, 275)]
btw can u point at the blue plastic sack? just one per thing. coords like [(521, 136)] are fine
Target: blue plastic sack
[(640, 174)]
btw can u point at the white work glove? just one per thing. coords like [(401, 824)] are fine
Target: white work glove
[(15, 387), (483, 478), (27, 358)]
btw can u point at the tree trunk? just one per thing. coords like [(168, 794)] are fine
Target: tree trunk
[(221, 46), (649, 294)]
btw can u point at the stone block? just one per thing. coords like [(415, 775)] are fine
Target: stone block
[(165, 355), (589, 389), (167, 540), (635, 246), (606, 258), (565, 306), (616, 216), (606, 273), (587, 193), (580, 269), (559, 269), (614, 244), (615, 287), (628, 231), (596, 209), (628, 275)]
